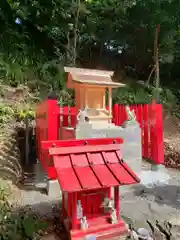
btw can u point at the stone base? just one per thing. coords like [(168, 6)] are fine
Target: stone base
[(53, 189), (102, 232), (156, 176), (41, 181)]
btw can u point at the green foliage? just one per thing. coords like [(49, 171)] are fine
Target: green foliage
[(15, 226), (56, 33), (137, 94), (17, 112), (133, 94), (6, 113)]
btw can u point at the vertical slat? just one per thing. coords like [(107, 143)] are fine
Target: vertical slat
[(120, 116), (74, 210), (58, 115), (52, 120), (116, 201), (69, 204), (73, 117), (145, 140), (85, 201), (65, 116), (63, 206), (115, 114), (152, 131), (159, 141), (140, 113), (93, 205), (140, 120)]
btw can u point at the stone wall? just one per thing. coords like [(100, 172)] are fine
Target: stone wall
[(132, 146)]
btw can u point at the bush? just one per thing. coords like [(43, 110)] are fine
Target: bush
[(138, 94), (15, 226)]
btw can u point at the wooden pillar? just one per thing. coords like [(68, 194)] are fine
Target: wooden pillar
[(104, 99), (74, 210), (85, 97), (110, 101), (117, 201)]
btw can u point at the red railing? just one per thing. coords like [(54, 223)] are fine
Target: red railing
[(50, 118)]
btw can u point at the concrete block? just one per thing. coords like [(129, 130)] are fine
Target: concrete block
[(53, 189)]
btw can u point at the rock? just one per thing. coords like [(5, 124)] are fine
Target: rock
[(175, 221), (134, 235), (143, 233), (158, 235)]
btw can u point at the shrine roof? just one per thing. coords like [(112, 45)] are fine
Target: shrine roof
[(89, 167), (92, 77), (96, 80), (88, 71)]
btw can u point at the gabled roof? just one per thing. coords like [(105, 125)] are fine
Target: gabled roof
[(91, 77), (91, 167), (95, 80)]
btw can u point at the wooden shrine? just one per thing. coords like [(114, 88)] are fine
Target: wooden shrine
[(90, 91), (86, 171)]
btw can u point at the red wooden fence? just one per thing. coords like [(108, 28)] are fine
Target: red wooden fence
[(50, 117)]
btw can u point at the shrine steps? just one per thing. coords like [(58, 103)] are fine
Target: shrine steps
[(101, 231)]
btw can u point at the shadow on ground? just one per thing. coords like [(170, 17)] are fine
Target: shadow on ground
[(49, 212), (166, 194)]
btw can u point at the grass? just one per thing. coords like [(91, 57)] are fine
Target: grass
[(17, 225)]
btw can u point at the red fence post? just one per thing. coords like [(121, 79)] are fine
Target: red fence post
[(159, 135), (115, 114), (151, 122), (73, 118), (53, 115), (65, 114), (156, 133), (145, 136)]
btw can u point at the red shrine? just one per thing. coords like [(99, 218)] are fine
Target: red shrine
[(87, 170)]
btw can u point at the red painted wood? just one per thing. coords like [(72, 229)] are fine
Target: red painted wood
[(48, 125), (62, 162), (140, 115), (116, 114), (66, 175), (82, 171), (101, 172), (117, 201), (65, 116), (105, 176), (145, 139), (152, 131), (120, 173), (102, 229), (159, 151), (74, 210), (73, 116), (45, 145), (110, 157), (51, 172), (68, 180), (87, 178), (53, 121), (83, 149), (75, 142), (122, 114), (79, 160)]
